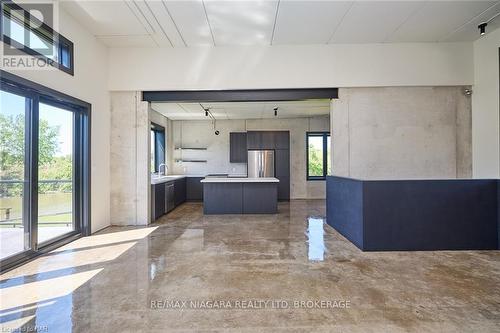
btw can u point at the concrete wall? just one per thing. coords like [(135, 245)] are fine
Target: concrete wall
[(486, 106), (130, 178), (292, 66), (190, 133), (402, 133), (89, 83), (200, 133)]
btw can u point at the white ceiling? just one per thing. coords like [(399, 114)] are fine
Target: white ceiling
[(181, 23), (243, 110)]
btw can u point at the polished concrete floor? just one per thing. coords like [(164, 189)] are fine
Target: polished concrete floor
[(275, 273)]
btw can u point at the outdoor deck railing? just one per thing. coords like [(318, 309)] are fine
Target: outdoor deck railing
[(18, 221)]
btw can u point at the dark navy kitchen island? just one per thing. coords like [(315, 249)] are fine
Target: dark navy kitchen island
[(240, 195)]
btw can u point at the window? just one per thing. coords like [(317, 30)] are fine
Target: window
[(158, 148), (24, 32), (318, 155), (44, 169)]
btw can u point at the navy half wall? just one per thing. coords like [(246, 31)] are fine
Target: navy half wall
[(344, 207), (392, 215)]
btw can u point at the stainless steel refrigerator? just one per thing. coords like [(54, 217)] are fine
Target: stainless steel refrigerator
[(260, 163)]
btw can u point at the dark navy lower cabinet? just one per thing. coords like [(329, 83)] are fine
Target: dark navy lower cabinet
[(166, 196), (159, 200), (260, 198), (194, 189), (240, 198), (284, 188), (222, 198), (180, 191)]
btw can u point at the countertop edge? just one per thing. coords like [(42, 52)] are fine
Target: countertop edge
[(240, 180)]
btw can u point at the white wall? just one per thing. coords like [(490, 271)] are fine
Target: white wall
[(255, 67), (485, 107), (191, 133), (89, 84)]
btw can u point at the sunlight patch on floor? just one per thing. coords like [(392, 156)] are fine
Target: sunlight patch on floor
[(39, 291), (107, 238), (84, 251)]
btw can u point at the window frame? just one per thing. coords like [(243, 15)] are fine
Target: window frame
[(35, 94), (325, 136), (59, 42), (159, 135)]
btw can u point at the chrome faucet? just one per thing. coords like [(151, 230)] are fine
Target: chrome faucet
[(165, 168)]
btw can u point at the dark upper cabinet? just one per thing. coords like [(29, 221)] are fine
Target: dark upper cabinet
[(282, 140), (237, 147), (194, 189), (268, 140), (260, 140), (254, 140), (180, 191), (282, 162)]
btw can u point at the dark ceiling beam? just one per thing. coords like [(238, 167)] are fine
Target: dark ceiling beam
[(259, 95)]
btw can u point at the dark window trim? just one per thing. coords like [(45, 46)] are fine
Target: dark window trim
[(159, 132), (325, 136), (255, 95), (82, 114), (43, 31)]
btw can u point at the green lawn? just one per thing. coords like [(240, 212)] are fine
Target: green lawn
[(53, 209)]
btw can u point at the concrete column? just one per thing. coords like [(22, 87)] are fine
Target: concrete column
[(129, 159), (142, 150), (486, 106), (339, 118)]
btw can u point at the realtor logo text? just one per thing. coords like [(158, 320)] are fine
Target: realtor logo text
[(248, 304)]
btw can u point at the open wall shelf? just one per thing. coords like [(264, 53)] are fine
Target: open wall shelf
[(190, 161), (190, 148)]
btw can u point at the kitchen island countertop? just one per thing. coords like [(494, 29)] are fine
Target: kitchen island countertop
[(240, 180)]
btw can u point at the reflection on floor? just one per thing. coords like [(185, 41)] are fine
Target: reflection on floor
[(281, 273)]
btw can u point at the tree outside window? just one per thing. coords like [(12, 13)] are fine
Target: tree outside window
[(318, 155)]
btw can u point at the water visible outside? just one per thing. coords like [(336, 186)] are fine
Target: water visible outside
[(55, 218), (55, 173)]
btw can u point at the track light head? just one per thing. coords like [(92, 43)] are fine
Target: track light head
[(206, 112), (275, 111), (482, 28)]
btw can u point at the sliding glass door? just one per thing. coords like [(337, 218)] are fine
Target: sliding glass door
[(44, 169), (14, 230), (55, 172)]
